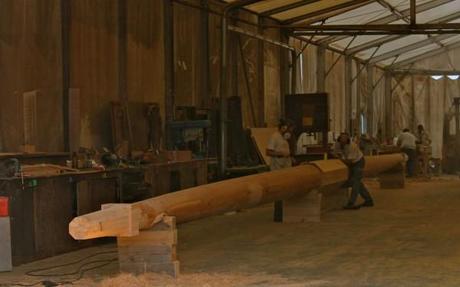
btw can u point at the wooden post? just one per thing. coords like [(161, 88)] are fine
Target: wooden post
[(304, 208), (153, 250)]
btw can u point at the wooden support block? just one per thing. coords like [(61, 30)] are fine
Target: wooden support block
[(394, 178), (305, 208), (333, 198), (149, 237), (171, 268), (153, 250)]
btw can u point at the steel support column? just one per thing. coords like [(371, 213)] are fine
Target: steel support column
[(370, 100), (321, 69), (388, 105), (348, 93)]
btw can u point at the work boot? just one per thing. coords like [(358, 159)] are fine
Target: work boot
[(367, 204), (351, 206)]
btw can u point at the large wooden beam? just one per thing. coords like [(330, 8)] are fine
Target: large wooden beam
[(220, 197)]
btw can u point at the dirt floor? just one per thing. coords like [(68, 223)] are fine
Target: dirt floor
[(410, 238)]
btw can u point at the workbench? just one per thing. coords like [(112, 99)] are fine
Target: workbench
[(37, 157), (42, 207)]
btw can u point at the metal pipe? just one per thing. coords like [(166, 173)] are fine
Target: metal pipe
[(260, 37), (223, 81)]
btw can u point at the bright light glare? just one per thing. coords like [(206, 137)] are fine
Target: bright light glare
[(437, 77), (453, 77)]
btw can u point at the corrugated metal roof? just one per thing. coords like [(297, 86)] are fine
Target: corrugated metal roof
[(352, 12)]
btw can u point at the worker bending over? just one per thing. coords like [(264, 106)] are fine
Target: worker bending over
[(280, 157), (352, 156)]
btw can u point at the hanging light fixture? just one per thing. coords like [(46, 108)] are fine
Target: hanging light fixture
[(453, 77), (437, 77)]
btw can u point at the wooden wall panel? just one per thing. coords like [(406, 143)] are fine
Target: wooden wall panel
[(30, 59), (94, 66), (249, 46), (187, 45), (272, 79), (214, 51), (145, 62)]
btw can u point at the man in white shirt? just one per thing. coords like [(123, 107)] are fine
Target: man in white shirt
[(407, 143), (352, 156), (280, 157), (278, 147)]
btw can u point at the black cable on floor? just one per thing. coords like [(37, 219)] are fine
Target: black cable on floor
[(80, 271), (33, 272)]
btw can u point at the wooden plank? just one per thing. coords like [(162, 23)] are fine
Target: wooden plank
[(261, 137), (148, 237), (333, 171)]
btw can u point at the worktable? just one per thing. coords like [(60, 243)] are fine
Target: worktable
[(42, 207)]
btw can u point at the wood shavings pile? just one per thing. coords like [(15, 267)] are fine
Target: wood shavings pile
[(201, 280)]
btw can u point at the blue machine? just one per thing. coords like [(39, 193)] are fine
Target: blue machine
[(190, 135)]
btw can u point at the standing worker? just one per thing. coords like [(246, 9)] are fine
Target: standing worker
[(423, 149), (280, 157), (406, 141), (352, 156)]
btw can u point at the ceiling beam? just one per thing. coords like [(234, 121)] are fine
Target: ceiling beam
[(394, 11), (353, 3), (325, 16), (391, 18), (425, 72), (287, 7), (409, 48), (413, 12), (436, 28), (390, 38), (376, 33), (426, 55)]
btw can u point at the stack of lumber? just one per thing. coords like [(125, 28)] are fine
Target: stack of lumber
[(39, 170)]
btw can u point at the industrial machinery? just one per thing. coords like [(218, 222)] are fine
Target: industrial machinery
[(310, 114)]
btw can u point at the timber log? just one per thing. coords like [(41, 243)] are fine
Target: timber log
[(220, 197)]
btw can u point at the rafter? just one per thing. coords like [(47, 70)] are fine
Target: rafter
[(390, 38), (391, 18), (409, 48), (354, 3), (426, 55), (287, 7)]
